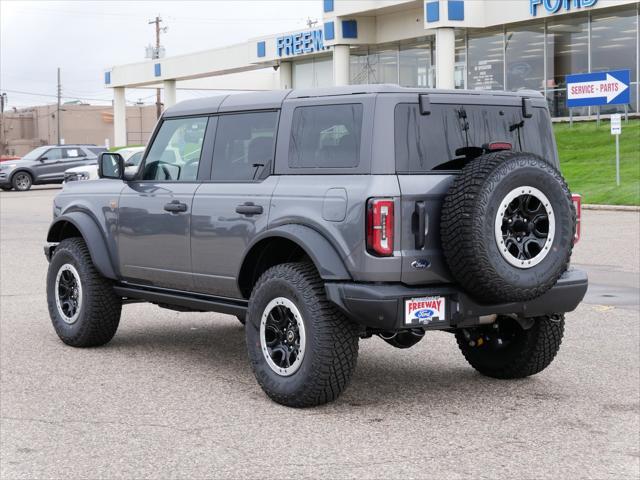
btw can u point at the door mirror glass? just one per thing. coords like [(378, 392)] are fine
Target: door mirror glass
[(111, 165), (42, 159)]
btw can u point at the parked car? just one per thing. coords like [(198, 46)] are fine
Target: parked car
[(132, 157), (321, 217), (46, 164)]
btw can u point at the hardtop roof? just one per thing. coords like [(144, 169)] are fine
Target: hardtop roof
[(273, 99)]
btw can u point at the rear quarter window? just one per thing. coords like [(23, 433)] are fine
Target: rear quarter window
[(326, 136), (435, 142)]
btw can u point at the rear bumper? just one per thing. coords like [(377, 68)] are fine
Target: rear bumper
[(381, 306)]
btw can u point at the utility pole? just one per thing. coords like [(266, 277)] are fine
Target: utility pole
[(156, 55), (58, 109)]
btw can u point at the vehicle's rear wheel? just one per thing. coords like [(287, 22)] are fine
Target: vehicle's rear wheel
[(303, 351), (403, 340), (84, 309), (507, 227), (22, 181), (505, 350)]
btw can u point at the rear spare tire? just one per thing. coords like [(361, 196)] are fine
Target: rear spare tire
[(507, 227)]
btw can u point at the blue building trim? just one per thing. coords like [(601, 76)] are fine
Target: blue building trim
[(329, 31), (157, 70), (328, 6), (107, 78), (433, 11), (349, 29), (262, 49), (456, 10)]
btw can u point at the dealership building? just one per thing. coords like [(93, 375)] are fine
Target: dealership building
[(461, 44)]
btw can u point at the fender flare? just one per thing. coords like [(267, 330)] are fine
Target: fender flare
[(92, 236), (21, 169), (324, 256)]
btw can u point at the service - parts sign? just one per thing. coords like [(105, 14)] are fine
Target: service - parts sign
[(423, 311)]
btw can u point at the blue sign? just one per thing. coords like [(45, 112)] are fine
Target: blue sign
[(554, 6), (602, 88), (300, 43)]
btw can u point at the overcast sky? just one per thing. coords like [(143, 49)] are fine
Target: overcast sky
[(84, 38)]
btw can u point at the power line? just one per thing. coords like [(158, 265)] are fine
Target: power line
[(179, 19), (66, 97)]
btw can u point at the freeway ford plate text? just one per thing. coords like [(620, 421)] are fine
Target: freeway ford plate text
[(423, 311)]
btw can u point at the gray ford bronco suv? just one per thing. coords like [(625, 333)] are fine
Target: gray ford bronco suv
[(320, 217)]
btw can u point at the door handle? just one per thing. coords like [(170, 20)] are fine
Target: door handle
[(420, 231), (175, 206), (249, 208)]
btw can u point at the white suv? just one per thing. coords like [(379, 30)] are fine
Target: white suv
[(132, 157)]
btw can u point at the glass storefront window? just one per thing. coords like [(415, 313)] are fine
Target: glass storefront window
[(383, 65), (416, 64), (358, 66), (567, 47), (460, 73), (302, 73), (323, 71), (314, 72), (524, 48), (485, 61), (614, 46)]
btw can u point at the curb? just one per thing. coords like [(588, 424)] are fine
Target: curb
[(612, 208)]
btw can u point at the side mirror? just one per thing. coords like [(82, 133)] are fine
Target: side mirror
[(111, 165), (42, 159)]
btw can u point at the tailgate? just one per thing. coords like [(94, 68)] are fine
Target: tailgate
[(421, 201)]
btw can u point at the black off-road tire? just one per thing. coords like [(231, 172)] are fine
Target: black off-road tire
[(529, 351), (22, 181), (100, 308), (468, 233), (405, 339), (331, 350)]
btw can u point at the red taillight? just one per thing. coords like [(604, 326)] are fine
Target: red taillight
[(380, 226), (498, 146), (577, 203)]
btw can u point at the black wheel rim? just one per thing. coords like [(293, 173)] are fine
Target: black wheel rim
[(282, 336), (68, 290), (525, 227)]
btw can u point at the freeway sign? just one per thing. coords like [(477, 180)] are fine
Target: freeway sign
[(602, 88)]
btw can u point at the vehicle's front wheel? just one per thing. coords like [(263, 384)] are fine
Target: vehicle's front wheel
[(505, 350), (22, 181), (303, 351), (84, 309)]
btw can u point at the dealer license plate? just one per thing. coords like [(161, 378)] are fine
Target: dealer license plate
[(423, 311)]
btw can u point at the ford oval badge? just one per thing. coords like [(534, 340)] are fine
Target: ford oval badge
[(420, 264)]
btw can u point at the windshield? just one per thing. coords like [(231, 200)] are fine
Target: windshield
[(34, 154)]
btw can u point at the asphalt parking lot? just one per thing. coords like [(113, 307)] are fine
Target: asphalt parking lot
[(172, 396)]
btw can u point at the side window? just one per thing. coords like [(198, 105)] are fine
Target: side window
[(72, 153), (326, 136), (244, 146), (175, 153), (134, 160), (53, 154)]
